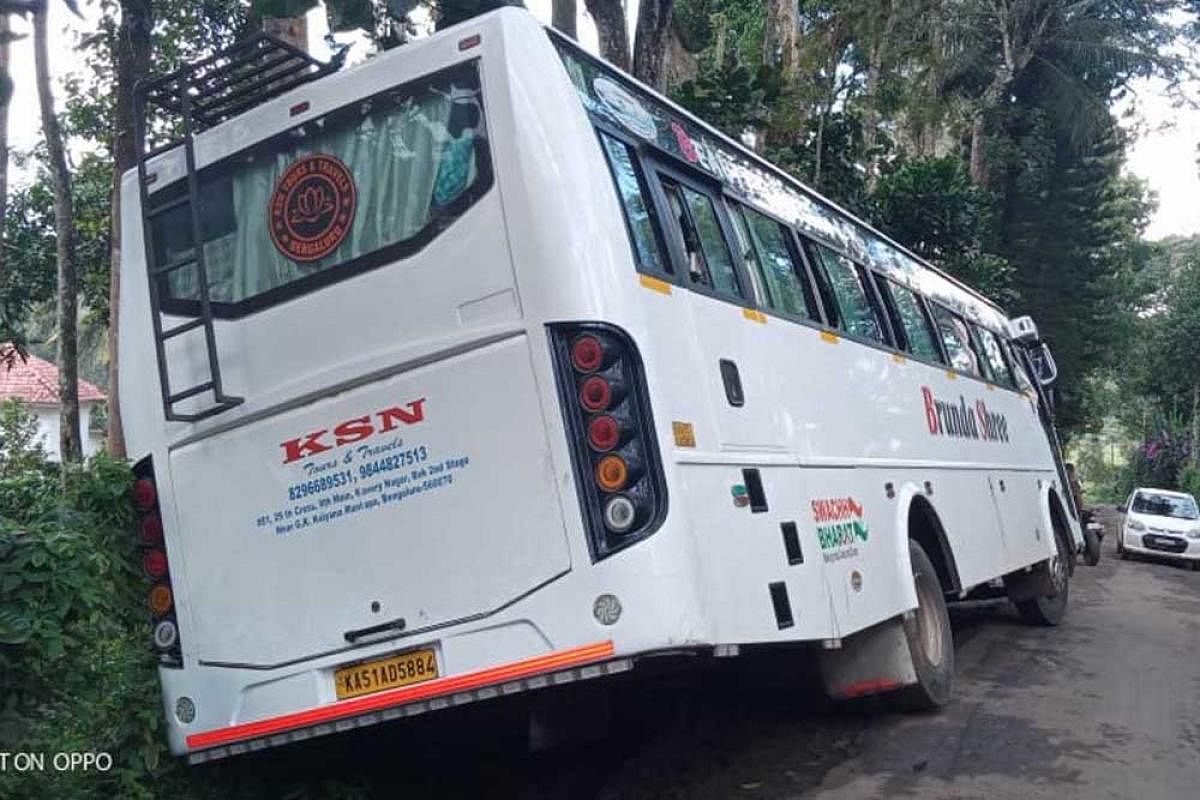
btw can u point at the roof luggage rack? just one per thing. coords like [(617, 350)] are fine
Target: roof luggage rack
[(185, 102)]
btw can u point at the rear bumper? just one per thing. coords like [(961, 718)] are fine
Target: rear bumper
[(551, 669)]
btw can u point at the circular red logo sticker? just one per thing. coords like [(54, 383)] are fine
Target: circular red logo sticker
[(312, 207)]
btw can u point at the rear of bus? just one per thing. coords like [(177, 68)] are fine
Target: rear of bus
[(371, 495)]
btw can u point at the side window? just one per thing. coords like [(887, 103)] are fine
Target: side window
[(910, 318), (995, 358), (702, 242), (633, 200), (854, 312), (772, 260), (957, 340), (1024, 384)]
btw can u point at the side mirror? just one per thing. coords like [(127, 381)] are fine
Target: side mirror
[(1044, 368)]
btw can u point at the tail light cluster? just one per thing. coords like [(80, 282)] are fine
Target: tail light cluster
[(152, 548), (617, 467)]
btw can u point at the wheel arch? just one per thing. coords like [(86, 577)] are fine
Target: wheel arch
[(924, 525)]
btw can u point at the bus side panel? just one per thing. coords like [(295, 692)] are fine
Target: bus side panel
[(743, 552)]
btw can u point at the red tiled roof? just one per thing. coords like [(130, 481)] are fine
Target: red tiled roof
[(36, 381)]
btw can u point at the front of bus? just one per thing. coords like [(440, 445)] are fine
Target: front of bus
[(354, 483)]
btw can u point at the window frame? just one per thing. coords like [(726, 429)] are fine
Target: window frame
[(658, 164), (1006, 381), (885, 285), (829, 300), (812, 300), (390, 254), (638, 153)]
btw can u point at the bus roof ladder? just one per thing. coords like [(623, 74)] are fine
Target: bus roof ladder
[(187, 101)]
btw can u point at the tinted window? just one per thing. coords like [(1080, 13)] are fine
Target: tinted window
[(911, 318), (708, 259), (633, 200), (773, 260), (957, 340), (353, 189), (1023, 382), (994, 356), (854, 313)]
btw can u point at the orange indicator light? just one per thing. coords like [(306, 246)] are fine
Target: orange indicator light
[(612, 473)]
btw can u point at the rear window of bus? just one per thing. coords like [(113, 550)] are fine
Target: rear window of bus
[(417, 157)]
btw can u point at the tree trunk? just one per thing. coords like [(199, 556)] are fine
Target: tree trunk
[(609, 16), (562, 16), (5, 96), (780, 40), (1196, 425), (876, 62), (650, 43), (978, 143), (70, 447), (132, 64)]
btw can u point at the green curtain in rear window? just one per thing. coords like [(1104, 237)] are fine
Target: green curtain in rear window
[(410, 154)]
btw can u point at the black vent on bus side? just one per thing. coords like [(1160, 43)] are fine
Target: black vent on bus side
[(614, 451)]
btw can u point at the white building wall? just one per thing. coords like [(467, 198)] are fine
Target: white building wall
[(47, 417)]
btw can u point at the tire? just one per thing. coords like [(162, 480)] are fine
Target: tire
[(1091, 548), (1049, 610), (1196, 566), (930, 640)]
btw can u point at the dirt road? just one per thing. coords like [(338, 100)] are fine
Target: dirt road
[(1106, 706)]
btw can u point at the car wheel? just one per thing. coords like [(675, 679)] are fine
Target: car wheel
[(930, 640), (1196, 566), (1049, 609)]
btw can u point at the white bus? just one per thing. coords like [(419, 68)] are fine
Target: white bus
[(497, 370)]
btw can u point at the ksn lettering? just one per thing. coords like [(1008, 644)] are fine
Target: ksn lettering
[(353, 430), (963, 421)]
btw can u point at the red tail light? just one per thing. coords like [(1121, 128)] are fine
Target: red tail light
[(613, 446), (595, 394), (152, 531), (145, 495), (604, 433), (587, 354), (154, 562), (160, 597)]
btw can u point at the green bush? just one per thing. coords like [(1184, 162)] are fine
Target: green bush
[(77, 673)]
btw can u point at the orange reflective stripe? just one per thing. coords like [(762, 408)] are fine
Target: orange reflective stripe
[(549, 662)]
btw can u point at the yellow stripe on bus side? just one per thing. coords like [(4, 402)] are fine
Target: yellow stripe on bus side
[(829, 336), (951, 374), (754, 316), (654, 284), (899, 358)]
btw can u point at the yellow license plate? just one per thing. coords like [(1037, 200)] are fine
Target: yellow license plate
[(414, 666)]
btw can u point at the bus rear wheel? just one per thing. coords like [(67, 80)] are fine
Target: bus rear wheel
[(1049, 609), (930, 640)]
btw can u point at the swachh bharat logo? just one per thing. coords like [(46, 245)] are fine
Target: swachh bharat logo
[(841, 526)]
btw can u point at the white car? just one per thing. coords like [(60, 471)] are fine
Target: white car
[(1162, 523)]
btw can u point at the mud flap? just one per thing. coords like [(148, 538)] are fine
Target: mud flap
[(872, 661)]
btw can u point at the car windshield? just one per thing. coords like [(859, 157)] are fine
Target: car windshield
[(1163, 505)]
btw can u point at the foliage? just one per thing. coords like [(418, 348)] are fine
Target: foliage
[(21, 448), (930, 205)]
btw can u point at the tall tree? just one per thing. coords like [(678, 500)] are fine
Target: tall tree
[(650, 41), (132, 57), (563, 14), (611, 30), (70, 446)]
